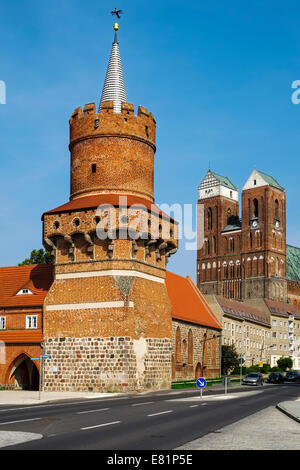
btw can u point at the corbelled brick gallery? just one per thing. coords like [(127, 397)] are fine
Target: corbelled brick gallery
[(107, 312)]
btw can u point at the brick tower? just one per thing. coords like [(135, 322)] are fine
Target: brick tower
[(218, 260), (264, 238), (107, 321)]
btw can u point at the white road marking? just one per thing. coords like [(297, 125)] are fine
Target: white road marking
[(20, 421), (140, 404), (161, 413), (92, 411), (100, 425), (193, 406)]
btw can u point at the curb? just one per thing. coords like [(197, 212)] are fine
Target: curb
[(281, 408)]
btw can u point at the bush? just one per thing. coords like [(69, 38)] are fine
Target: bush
[(253, 369), (276, 369), (237, 371), (265, 369), (285, 363)]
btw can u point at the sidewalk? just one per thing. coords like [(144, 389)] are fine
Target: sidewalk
[(269, 429), (21, 397), (291, 409)]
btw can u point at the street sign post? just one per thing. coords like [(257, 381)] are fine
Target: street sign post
[(201, 384), (241, 361), (41, 358), (226, 381)]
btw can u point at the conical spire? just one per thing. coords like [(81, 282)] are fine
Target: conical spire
[(114, 86)]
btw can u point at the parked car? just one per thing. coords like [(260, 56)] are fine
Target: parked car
[(253, 378), (292, 376), (275, 378)]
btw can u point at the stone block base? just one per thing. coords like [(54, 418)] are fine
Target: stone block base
[(119, 364)]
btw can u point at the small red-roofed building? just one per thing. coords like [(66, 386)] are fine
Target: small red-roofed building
[(196, 331), (22, 294)]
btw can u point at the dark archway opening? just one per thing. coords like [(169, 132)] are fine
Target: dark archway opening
[(25, 374)]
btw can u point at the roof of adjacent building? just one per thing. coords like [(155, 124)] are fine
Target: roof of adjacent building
[(242, 311), (188, 304), (281, 308), (96, 200), (36, 278), (270, 180), (292, 263)]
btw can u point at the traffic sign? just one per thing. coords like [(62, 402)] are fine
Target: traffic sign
[(45, 356), (242, 359), (35, 358), (201, 383)]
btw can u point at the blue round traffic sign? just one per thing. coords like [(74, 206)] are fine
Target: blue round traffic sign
[(201, 383)]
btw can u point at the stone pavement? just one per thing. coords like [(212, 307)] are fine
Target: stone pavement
[(269, 429)]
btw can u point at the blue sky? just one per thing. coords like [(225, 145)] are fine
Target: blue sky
[(216, 75)]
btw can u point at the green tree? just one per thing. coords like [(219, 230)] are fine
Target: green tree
[(37, 257), (230, 358), (285, 363)]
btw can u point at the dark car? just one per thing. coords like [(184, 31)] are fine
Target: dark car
[(253, 378), (292, 376), (275, 378)]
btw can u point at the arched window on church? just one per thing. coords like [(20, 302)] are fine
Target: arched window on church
[(215, 245), (232, 270), (276, 209), (255, 207), (214, 352), (178, 345), (208, 247), (209, 219), (190, 347), (250, 240), (231, 244)]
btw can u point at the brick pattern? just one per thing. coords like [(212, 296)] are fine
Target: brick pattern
[(205, 351), (120, 146)]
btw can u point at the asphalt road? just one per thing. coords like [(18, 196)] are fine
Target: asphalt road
[(154, 421)]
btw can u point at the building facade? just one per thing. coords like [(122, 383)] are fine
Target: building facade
[(246, 268)]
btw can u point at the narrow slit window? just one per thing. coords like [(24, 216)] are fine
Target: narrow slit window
[(94, 168)]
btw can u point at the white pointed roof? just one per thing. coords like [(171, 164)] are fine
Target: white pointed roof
[(258, 178), (114, 86)]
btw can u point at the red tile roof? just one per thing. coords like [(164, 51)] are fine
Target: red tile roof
[(92, 202), (188, 304), (281, 308), (36, 278), (242, 311)]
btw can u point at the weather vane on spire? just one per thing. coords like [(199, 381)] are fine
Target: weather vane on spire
[(118, 13)]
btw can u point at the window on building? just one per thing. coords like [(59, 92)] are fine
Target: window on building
[(24, 292), (274, 334), (274, 323), (2, 323), (94, 168), (31, 322)]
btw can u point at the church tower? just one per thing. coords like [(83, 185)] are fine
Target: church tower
[(264, 238), (107, 320), (218, 261)]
